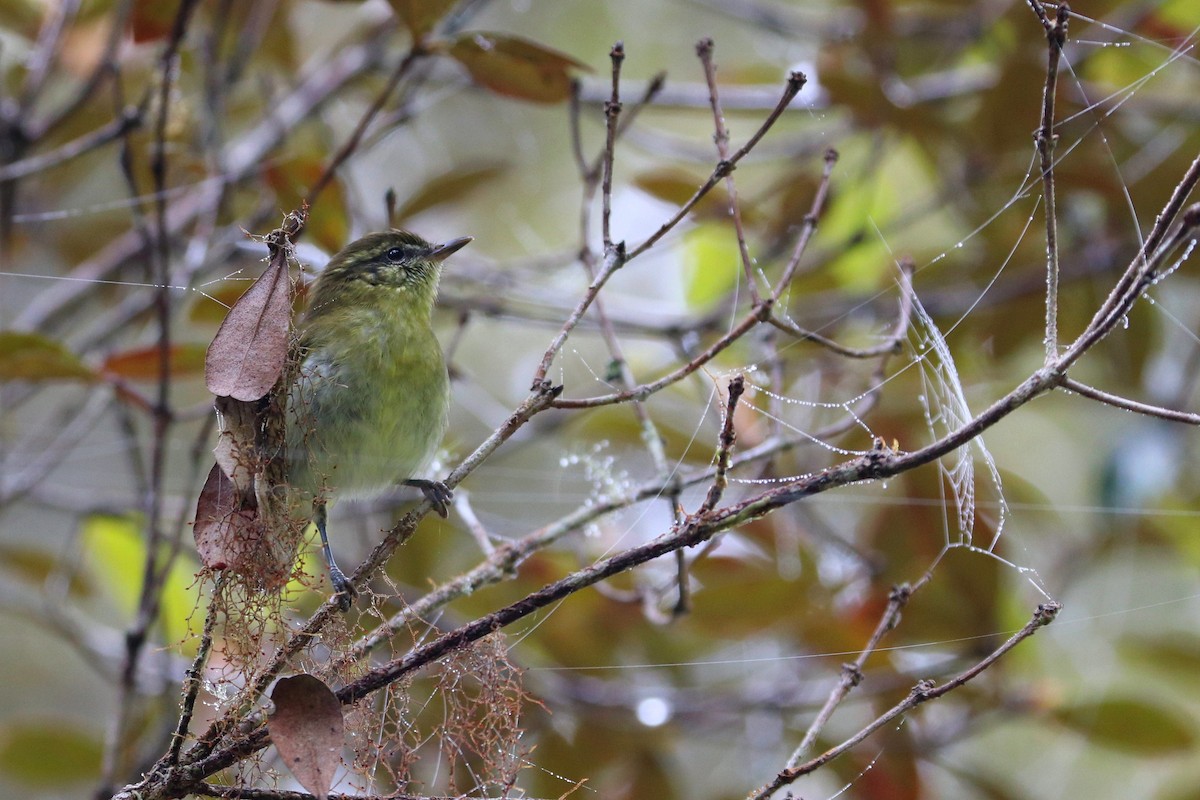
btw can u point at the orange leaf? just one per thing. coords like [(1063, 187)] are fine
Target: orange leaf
[(515, 67), (143, 363)]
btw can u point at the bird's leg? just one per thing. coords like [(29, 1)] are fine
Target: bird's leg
[(435, 492), (341, 584)]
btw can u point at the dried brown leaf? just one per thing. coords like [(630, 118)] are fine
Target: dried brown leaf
[(223, 527), (248, 353), (307, 729)]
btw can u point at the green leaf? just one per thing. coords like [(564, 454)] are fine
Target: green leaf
[(1136, 726), (421, 16), (711, 264), (117, 555), (33, 357), (48, 753), (515, 67)]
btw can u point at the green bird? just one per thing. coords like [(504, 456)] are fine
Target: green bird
[(369, 404)]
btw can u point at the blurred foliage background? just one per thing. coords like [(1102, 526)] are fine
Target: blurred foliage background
[(931, 106)]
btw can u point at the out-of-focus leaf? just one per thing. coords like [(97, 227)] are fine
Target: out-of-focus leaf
[(117, 555), (142, 363), (246, 356), (21, 16), (1173, 18), (214, 304), (515, 67), (1137, 726), (293, 175), (151, 20), (48, 753), (307, 729), (446, 188), (1176, 654), (677, 187), (33, 357), (712, 264), (421, 16), (36, 566)]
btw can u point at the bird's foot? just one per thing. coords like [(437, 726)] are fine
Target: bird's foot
[(344, 591), (435, 492)]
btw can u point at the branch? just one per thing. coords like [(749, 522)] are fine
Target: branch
[(922, 692), (1056, 36), (1169, 414), (704, 50), (795, 82)]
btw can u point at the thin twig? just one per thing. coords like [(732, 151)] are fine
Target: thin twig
[(351, 144), (153, 573), (724, 446), (809, 226), (1169, 414), (643, 391), (704, 49), (192, 682), (795, 82), (1046, 138), (852, 673), (612, 112), (922, 692)]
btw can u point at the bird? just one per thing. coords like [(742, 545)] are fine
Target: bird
[(369, 403)]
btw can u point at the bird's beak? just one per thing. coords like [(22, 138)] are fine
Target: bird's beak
[(440, 251)]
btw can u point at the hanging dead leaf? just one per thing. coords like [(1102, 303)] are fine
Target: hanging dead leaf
[(421, 16), (33, 357), (247, 355), (223, 526), (307, 729), (515, 67)]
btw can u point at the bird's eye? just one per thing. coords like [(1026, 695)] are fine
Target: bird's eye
[(395, 254)]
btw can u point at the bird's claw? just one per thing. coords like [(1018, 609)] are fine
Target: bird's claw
[(436, 492), (344, 591)]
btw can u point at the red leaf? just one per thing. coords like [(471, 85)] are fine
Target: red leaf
[(307, 729)]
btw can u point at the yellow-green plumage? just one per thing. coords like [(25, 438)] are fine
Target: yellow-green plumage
[(369, 405)]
